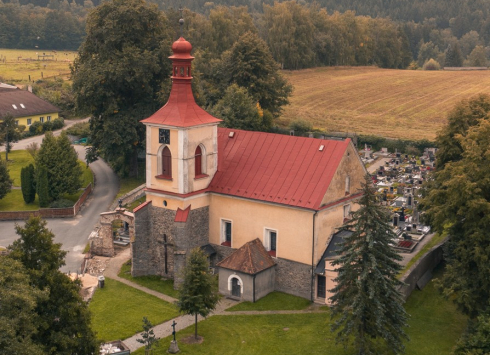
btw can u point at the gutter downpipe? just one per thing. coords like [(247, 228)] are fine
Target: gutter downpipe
[(312, 286), (253, 296)]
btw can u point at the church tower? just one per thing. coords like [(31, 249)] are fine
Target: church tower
[(181, 139)]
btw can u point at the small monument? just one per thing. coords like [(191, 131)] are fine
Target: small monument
[(174, 348)]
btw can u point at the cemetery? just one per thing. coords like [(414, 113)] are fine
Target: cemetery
[(398, 182)]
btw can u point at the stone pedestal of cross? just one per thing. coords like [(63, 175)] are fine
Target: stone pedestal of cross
[(174, 348)]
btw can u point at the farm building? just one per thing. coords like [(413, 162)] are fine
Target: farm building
[(25, 107), (264, 207)]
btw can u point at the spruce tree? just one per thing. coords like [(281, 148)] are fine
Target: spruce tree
[(198, 294), (366, 304)]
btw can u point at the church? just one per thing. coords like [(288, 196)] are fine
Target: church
[(264, 207)]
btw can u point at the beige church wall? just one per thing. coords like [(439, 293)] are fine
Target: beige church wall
[(326, 224), (196, 201), (250, 220), (330, 275), (152, 147), (351, 165), (206, 136)]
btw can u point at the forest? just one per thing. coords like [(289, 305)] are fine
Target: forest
[(389, 34)]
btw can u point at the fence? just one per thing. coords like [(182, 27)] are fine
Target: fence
[(49, 212)]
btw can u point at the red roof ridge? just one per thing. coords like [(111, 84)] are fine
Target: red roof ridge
[(136, 209)]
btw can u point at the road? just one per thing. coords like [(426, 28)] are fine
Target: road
[(73, 233)]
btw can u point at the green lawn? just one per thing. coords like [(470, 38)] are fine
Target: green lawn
[(14, 200), (274, 301), (128, 184), (118, 310), (434, 328), (17, 160), (152, 282)]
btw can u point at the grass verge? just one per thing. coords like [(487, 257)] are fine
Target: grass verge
[(14, 201), (153, 282), (118, 310), (17, 160), (274, 301), (434, 327)]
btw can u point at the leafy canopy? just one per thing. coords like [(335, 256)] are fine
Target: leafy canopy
[(366, 304), (63, 325), (120, 76)]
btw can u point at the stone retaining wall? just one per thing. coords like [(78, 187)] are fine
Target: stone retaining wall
[(130, 197), (428, 262)]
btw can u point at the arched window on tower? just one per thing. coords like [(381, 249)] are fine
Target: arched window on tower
[(166, 163), (198, 161)]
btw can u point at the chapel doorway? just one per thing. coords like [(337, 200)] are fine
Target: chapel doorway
[(235, 287)]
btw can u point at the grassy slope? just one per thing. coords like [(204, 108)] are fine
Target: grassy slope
[(274, 301), (118, 310), (391, 103)]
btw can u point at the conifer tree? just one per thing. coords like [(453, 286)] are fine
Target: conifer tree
[(366, 305), (42, 187), (198, 294), (28, 183), (5, 180)]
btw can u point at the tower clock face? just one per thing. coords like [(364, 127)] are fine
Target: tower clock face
[(164, 136)]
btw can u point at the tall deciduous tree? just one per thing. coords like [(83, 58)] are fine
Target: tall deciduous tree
[(458, 203), (366, 304), (18, 321), (119, 76), (64, 319), (238, 110), (9, 133), (249, 64), (60, 160), (198, 294)]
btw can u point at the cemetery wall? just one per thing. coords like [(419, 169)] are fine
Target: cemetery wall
[(425, 264)]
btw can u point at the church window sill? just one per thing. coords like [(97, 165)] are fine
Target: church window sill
[(164, 177), (201, 176), (226, 244)]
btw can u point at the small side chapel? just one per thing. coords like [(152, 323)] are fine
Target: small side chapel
[(263, 206)]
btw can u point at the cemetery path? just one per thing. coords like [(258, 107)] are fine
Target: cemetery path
[(375, 165)]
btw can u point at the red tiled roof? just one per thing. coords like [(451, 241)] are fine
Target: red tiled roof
[(181, 215), (136, 209), (181, 109), (31, 104), (276, 168), (251, 258)]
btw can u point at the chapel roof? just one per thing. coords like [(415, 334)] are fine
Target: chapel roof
[(22, 103), (251, 258), (294, 171)]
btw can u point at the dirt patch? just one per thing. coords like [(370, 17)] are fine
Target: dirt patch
[(191, 339)]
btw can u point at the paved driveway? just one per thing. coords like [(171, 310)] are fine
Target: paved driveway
[(73, 233)]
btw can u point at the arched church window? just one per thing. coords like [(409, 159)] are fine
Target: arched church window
[(166, 163), (198, 160)]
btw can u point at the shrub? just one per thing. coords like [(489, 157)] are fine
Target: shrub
[(413, 65), (431, 64), (81, 129), (300, 127), (58, 123), (47, 126), (61, 203), (36, 128)]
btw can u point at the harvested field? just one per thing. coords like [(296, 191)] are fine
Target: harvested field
[(17, 64), (411, 104)]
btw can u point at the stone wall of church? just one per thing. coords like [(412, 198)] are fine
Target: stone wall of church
[(151, 224), (148, 248), (293, 278)]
